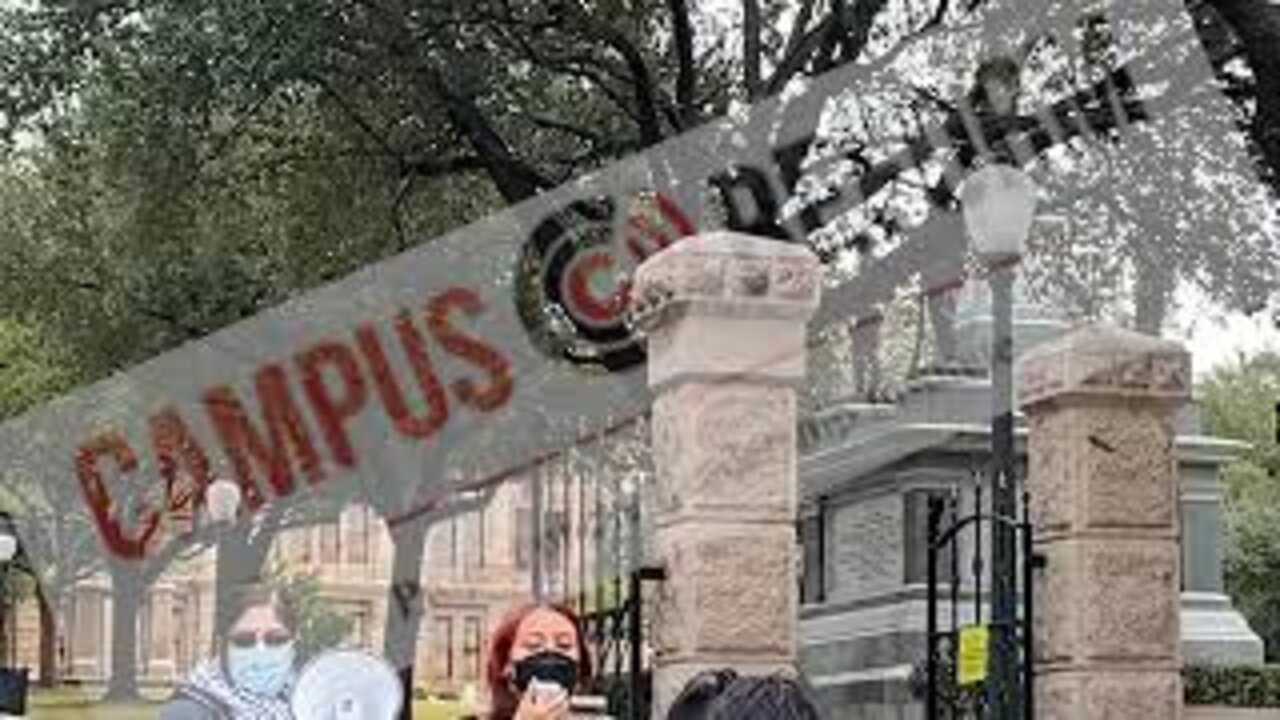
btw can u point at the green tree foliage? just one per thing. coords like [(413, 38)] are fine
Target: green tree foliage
[(33, 368), (320, 626), (1240, 402)]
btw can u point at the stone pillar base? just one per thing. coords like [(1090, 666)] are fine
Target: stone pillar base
[(1116, 694)]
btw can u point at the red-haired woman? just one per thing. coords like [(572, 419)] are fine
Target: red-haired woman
[(537, 659)]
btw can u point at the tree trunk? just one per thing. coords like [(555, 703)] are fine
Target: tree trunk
[(126, 601), (239, 562), (1151, 301), (405, 604), (49, 600)]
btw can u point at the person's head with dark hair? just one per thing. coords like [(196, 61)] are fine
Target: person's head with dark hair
[(720, 696), (254, 664), (699, 694), (536, 643), (255, 644)]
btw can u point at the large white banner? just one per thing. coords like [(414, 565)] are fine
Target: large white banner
[(496, 345)]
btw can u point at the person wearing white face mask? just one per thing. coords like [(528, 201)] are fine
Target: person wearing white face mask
[(254, 668)]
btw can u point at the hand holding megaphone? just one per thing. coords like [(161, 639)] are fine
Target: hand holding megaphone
[(347, 685)]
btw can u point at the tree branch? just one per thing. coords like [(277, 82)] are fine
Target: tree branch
[(1256, 23), (799, 28), (354, 116), (856, 294), (833, 37), (863, 16), (806, 47), (686, 72), (641, 79), (397, 211), (939, 15), (515, 179), (751, 47), (550, 123)]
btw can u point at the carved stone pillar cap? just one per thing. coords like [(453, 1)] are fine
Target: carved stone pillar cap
[(726, 273), (1100, 360)]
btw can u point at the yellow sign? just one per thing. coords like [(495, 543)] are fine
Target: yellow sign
[(971, 664)]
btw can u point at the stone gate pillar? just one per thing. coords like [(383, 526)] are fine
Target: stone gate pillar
[(1102, 475), (725, 317)]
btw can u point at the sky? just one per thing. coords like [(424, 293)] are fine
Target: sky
[(1216, 337)]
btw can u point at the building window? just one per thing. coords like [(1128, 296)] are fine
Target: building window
[(951, 559), (473, 541), (303, 545), (360, 626), (87, 633), (472, 632), (143, 649), (179, 634), (444, 646), (813, 543), (482, 532), (331, 543), (554, 543), (358, 539), (453, 544), (524, 538)]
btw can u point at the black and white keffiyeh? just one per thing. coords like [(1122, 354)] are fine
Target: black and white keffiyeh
[(208, 686)]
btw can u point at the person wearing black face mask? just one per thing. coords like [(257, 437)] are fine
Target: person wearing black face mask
[(537, 660)]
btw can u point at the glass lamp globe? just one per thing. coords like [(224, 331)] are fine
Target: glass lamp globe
[(8, 546), (999, 204), (223, 499)]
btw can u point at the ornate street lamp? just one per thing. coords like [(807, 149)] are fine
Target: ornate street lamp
[(999, 204), (8, 546), (222, 497)]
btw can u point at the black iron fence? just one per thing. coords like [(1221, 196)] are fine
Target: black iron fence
[(959, 662), (616, 630)]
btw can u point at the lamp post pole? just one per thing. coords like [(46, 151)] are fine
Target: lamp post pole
[(222, 502), (999, 206), (1004, 495), (8, 552)]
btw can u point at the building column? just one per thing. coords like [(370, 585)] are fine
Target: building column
[(725, 317), (161, 664), (1103, 482)]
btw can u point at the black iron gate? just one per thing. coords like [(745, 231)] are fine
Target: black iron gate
[(615, 633), (958, 660)]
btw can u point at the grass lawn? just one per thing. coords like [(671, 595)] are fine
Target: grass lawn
[(73, 704)]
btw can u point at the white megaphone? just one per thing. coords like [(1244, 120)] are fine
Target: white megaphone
[(346, 685)]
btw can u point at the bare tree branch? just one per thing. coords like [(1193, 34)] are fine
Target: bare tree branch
[(799, 28), (641, 79), (397, 211), (686, 70), (515, 179), (352, 114), (1072, 115), (833, 38), (1257, 25), (862, 17), (550, 123), (751, 47), (939, 15), (796, 59)]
